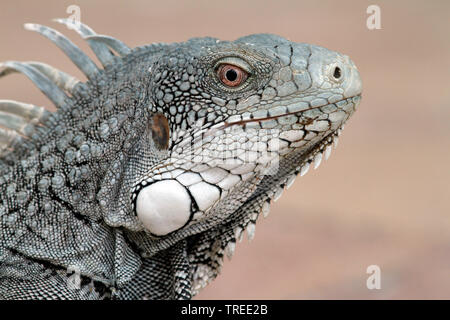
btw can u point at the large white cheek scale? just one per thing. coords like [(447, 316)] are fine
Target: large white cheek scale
[(163, 207)]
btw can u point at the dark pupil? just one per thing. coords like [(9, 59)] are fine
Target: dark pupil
[(231, 75), (337, 72)]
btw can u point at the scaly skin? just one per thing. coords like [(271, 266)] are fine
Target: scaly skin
[(148, 173)]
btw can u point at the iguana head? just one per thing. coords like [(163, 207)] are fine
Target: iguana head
[(236, 122), (226, 115), (196, 138)]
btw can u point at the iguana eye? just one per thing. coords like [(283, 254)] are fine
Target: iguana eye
[(231, 75)]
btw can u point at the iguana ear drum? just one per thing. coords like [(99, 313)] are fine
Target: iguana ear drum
[(163, 207), (160, 131)]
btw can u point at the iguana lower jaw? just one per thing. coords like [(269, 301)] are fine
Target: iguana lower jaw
[(203, 176)]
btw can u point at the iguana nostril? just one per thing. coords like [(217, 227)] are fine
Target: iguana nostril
[(337, 73)]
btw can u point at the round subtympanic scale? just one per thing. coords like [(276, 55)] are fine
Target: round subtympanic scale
[(163, 207), (205, 194)]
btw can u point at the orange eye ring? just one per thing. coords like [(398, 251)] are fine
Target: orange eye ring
[(231, 75)]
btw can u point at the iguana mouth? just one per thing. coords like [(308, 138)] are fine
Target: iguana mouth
[(295, 113)]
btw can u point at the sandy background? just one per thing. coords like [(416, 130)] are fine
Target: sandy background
[(382, 198)]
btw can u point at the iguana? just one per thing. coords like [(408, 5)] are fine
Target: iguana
[(148, 173)]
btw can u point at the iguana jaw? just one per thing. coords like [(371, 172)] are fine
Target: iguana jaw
[(154, 204), (312, 157), (299, 114)]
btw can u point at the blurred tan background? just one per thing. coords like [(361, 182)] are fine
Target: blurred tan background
[(383, 198)]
